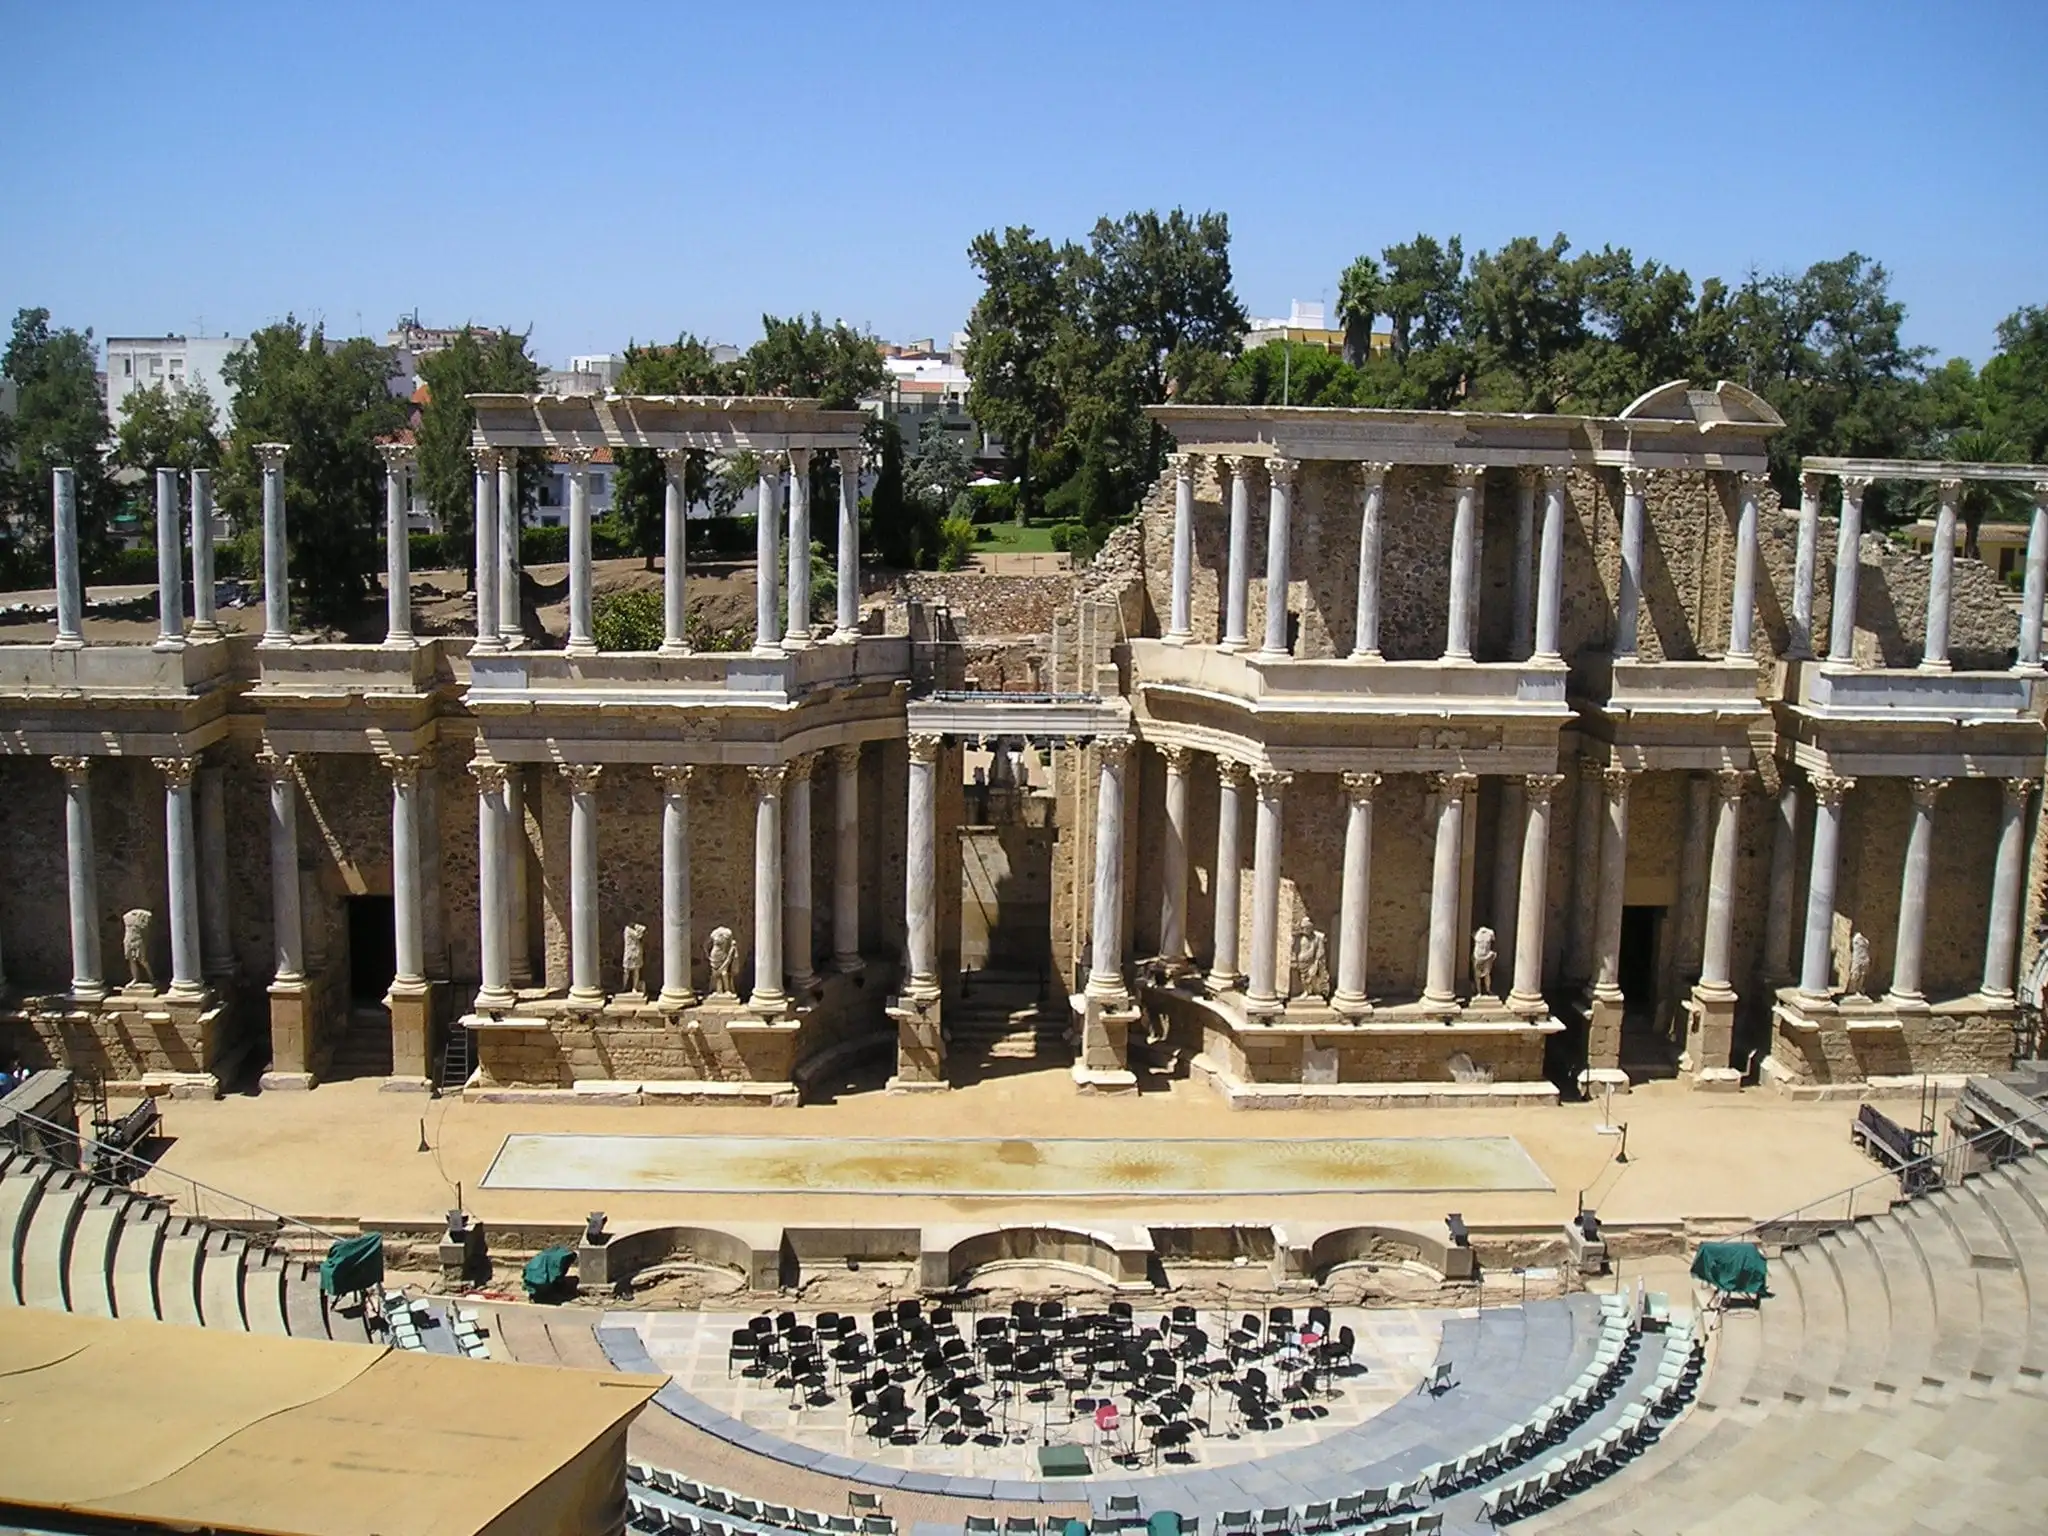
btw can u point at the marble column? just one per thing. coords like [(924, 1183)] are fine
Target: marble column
[(1178, 631), (287, 926), (1815, 964), (921, 867), (1223, 971), (1282, 474), (494, 894), (1365, 633), (1805, 557), (1470, 483), (582, 624), (1615, 783), (768, 497), (586, 986), (1628, 597), (277, 593), (398, 458), (1526, 993), (510, 625), (1778, 913), (2008, 880), (797, 588), (1440, 984), (2036, 587), (1237, 583), (518, 859), (407, 910), (1173, 901), (1504, 909), (1912, 935), (1742, 609), (1522, 591), (170, 564), (848, 627), (1941, 579), (1585, 869), (768, 996), (846, 956), (216, 938), (798, 902), (1848, 557), (1550, 564), (88, 979), (1106, 933), (1354, 912), (675, 637), (70, 574), (486, 554), (181, 869), (676, 957), (205, 615), (1717, 944), (1263, 995)]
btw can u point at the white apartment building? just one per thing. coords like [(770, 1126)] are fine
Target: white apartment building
[(140, 362)]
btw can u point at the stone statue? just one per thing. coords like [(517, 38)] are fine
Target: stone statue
[(1857, 969), (633, 960), (1311, 961), (724, 953), (1482, 962), (135, 945)]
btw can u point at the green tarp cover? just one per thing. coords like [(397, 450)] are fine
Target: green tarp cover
[(1735, 1267), (353, 1264), (1163, 1523), (546, 1270)]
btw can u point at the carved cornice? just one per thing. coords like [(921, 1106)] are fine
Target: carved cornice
[(1358, 787), (582, 777), (1830, 789), (925, 745), (1539, 787), (1927, 791), (74, 769), (675, 777), (177, 771)]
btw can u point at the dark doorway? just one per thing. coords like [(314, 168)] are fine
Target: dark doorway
[(1645, 1050), (372, 948)]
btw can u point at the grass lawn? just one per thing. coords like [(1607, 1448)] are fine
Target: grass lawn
[(1010, 539)]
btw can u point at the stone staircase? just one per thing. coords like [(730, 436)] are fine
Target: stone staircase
[(1893, 1381), (1002, 1017), (364, 1049)]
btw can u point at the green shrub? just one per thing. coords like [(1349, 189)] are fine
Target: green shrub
[(543, 546), (720, 535), (956, 542), (432, 552), (239, 556), (996, 503), (126, 566), (628, 620), (1076, 539)]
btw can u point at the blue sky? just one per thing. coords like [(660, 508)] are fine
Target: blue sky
[(607, 172)]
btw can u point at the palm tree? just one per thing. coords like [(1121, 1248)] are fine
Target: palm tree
[(1359, 293), (1981, 500)]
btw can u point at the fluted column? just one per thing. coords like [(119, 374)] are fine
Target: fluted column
[(848, 593), (518, 861), (675, 638), (1522, 591), (921, 867), (1628, 600), (1365, 634), (1263, 992), (586, 987), (768, 995), (510, 626), (1355, 901), (1173, 900), (1717, 945), (407, 915), (1440, 984), (1742, 609), (1550, 564), (1615, 783), (216, 939), (798, 586), (582, 623), (798, 901), (205, 616), (1848, 557), (1526, 994), (1829, 790), (2008, 877), (88, 979), (277, 593), (1805, 557), (1223, 970), (1912, 934), (846, 956), (70, 573), (181, 868), (768, 488), (1282, 474), (2036, 587), (494, 895), (398, 458), (1177, 627), (1237, 584), (1469, 481), (1106, 934), (486, 553), (1941, 580), (170, 563), (676, 989)]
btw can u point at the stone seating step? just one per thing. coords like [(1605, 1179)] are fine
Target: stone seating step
[(20, 1188), (89, 1282), (2007, 1211), (136, 1255), (263, 1295), (305, 1309), (1869, 1309), (220, 1282), (1819, 1356), (1783, 1319), (177, 1273), (1903, 1269), (1958, 1295), (46, 1247)]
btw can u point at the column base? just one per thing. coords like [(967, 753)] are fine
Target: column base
[(1217, 982), (1940, 664), (397, 642), (574, 648), (412, 1032), (767, 1004), (674, 648), (1709, 1031), (1355, 1007), (1373, 655), (495, 1000), (1530, 1003), (285, 1082), (1266, 1006), (586, 999), (168, 644), (1177, 636), (675, 999), (920, 1043), (795, 642), (1103, 1064), (67, 643), (88, 992), (768, 651), (849, 965), (204, 630), (1227, 644), (1603, 1028), (292, 1051)]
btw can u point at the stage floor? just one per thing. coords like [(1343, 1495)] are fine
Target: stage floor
[(1007, 1168)]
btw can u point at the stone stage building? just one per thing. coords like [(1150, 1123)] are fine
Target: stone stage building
[(1566, 747)]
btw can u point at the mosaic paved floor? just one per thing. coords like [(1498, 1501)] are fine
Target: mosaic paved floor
[(1397, 1347), (1009, 1168)]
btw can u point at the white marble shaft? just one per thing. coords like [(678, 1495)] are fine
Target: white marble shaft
[(88, 980), (517, 859), (494, 895), (1537, 790), (1941, 579), (287, 928), (1742, 607), (768, 495), (676, 956), (408, 911), (1106, 942), (508, 547), (1615, 783), (1717, 947), (181, 872), (585, 959), (397, 547), (1355, 899), (582, 623), (1224, 975), (1911, 943), (675, 597), (1469, 481), (170, 575), (797, 896), (846, 955), (1441, 980), (1177, 627), (277, 592), (1805, 557), (1848, 557), (768, 995), (486, 553), (1784, 872), (1237, 586), (1365, 632), (1504, 909), (70, 575), (921, 867), (1829, 790), (1281, 474), (1550, 565), (205, 615), (216, 941), (798, 548), (2008, 878), (848, 593), (1173, 899), (1263, 990), (2035, 590), (1628, 597)]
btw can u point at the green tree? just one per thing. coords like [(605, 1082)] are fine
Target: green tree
[(941, 469), (686, 366), (2015, 383), (897, 528), (173, 426), (1361, 295), (1011, 340), (807, 359), (1980, 501), (331, 403), (58, 421), (628, 620), (1423, 296), (475, 362)]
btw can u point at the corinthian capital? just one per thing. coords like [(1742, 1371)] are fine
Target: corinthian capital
[(1927, 791), (405, 767), (582, 777), (489, 775), (1830, 789), (1468, 477), (1635, 480), (675, 777), (925, 745), (271, 455), (1272, 783), (1284, 474), (74, 769), (767, 779), (177, 771), (1615, 780), (1541, 786), (1359, 787), (1113, 751), (397, 456)]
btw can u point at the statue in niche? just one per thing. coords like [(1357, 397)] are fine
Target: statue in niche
[(1483, 955), (724, 953), (633, 961), (135, 923), (1856, 969), (1311, 961)]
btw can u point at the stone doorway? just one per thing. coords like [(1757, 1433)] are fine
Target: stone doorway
[(364, 1047), (1646, 1050)]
